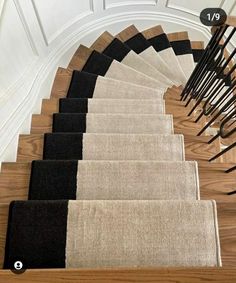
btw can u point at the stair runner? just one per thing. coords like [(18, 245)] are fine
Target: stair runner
[(113, 188)]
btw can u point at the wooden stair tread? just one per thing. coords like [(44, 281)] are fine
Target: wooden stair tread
[(30, 147), (127, 33), (197, 44), (227, 230), (3, 230), (50, 106), (152, 32), (41, 124), (214, 183), (102, 42), (162, 275), (80, 58), (231, 21), (176, 36), (61, 83)]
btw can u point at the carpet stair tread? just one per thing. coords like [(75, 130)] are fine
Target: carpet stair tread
[(103, 123), (80, 230), (139, 44), (182, 47), (113, 180), (100, 64), (113, 146), (159, 40), (88, 85), (115, 48)]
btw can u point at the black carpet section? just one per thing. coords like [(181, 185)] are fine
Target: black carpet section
[(61, 146), (117, 50), (197, 54), (97, 64), (82, 85), (69, 123), (160, 42), (53, 180), (138, 43), (73, 105), (181, 47), (36, 234)]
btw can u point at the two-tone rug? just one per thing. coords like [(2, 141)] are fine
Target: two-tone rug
[(87, 85), (86, 146), (106, 106), (102, 233), (85, 179), (113, 123)]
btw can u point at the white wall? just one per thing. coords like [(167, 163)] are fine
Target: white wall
[(37, 36)]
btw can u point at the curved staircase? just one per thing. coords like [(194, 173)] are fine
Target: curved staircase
[(113, 183)]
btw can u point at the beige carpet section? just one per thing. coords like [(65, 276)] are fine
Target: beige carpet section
[(131, 106), (136, 62), (154, 58), (129, 123), (142, 234), (187, 64), (108, 88), (169, 57), (133, 147), (137, 180), (119, 71)]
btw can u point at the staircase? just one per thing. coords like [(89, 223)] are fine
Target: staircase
[(113, 183)]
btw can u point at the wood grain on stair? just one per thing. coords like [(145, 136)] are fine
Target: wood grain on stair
[(131, 275), (50, 106), (41, 124), (177, 36), (80, 58), (197, 44), (4, 208), (61, 83), (152, 32), (14, 181), (215, 183), (127, 33), (30, 147), (102, 42), (231, 21)]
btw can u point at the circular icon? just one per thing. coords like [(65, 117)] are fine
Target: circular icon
[(213, 17), (18, 267)]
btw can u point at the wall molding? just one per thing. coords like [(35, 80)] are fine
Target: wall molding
[(232, 8), (49, 40), (40, 23), (129, 3), (26, 27), (2, 5), (188, 11)]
